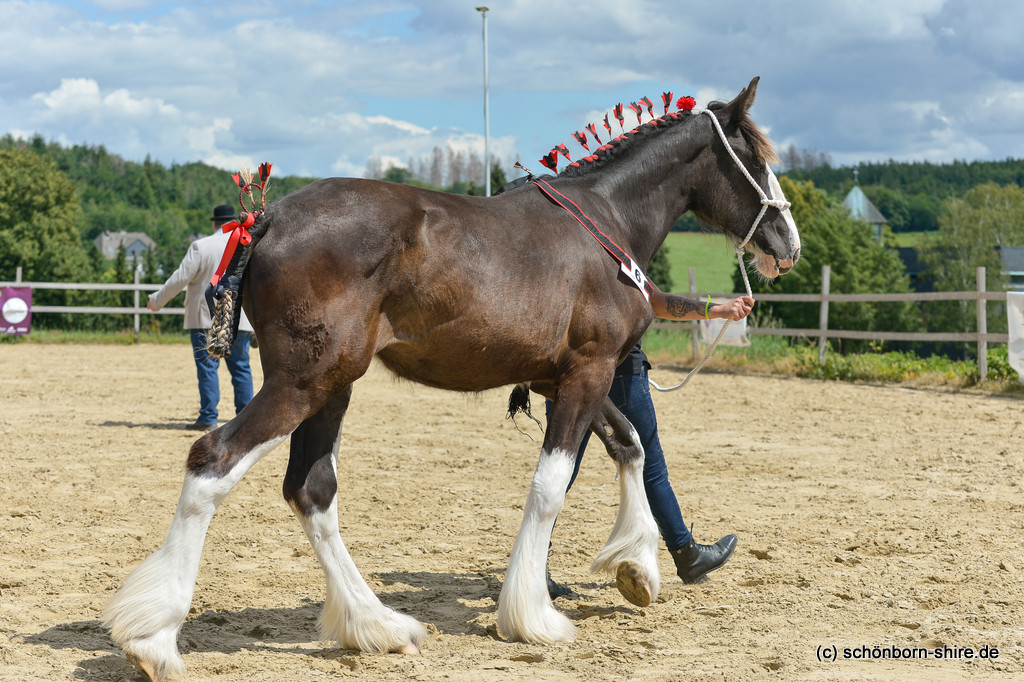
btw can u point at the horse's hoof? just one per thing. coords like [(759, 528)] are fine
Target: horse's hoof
[(411, 649), (632, 584), (145, 667)]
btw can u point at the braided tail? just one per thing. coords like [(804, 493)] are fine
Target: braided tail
[(225, 302), (221, 335)]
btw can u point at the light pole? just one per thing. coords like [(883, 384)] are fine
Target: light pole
[(487, 121)]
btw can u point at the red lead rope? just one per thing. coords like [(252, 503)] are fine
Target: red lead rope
[(239, 233)]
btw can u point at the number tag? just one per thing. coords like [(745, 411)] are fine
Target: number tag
[(636, 276)]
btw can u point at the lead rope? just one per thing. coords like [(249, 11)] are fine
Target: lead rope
[(766, 201)]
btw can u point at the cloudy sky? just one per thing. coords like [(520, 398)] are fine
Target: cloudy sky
[(318, 86)]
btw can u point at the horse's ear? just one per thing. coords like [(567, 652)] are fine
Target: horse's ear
[(738, 107)]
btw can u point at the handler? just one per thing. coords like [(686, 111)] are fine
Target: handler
[(193, 275), (631, 393)]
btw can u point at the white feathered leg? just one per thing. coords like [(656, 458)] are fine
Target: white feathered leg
[(353, 616), (144, 616), (525, 612), (631, 553)]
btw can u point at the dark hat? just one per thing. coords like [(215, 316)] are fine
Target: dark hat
[(223, 213)]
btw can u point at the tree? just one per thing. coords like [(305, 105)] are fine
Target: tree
[(39, 213), (498, 177), (794, 159), (970, 230), (859, 264), (659, 270), (436, 173), (374, 168), (397, 174)]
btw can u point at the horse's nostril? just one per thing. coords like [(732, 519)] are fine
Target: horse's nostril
[(796, 256), (783, 271)]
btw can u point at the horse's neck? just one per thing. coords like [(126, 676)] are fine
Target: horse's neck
[(650, 189)]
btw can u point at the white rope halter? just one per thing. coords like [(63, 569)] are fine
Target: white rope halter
[(766, 201)]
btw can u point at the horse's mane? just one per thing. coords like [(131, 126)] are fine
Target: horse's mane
[(764, 152), (614, 147), (606, 153)]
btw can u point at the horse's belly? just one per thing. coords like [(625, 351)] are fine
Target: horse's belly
[(456, 365)]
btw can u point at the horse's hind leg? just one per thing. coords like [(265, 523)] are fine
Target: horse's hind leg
[(144, 616), (631, 553), (353, 615)]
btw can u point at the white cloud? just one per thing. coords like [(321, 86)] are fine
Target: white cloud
[(318, 88), (73, 94), (404, 126)]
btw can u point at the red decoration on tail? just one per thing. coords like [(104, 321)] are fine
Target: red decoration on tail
[(239, 235)]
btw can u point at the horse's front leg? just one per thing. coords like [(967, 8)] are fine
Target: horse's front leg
[(353, 616), (631, 553), (144, 616), (525, 611)]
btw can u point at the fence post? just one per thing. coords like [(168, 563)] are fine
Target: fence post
[(136, 302), (17, 274), (982, 308), (694, 333), (826, 275)]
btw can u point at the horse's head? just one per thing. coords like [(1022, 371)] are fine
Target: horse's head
[(743, 197)]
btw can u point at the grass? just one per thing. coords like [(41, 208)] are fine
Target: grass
[(914, 239), (124, 337), (777, 355), (710, 254)]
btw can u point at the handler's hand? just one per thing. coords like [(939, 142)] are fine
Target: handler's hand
[(151, 305), (734, 310)]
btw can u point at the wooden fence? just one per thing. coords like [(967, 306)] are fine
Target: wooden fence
[(981, 337), (136, 311)]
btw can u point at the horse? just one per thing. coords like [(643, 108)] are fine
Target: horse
[(467, 294)]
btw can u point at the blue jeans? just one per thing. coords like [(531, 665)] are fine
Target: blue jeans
[(206, 372), (632, 395)]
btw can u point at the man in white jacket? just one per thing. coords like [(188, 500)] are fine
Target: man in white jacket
[(193, 275)]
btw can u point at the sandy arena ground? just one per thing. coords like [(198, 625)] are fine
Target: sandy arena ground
[(871, 519)]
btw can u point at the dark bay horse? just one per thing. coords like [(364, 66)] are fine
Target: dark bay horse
[(467, 294)]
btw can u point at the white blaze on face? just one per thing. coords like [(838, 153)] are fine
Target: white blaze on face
[(776, 193)]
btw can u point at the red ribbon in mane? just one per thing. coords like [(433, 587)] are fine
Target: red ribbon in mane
[(646, 101), (636, 109)]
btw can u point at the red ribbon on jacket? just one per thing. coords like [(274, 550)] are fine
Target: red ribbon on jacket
[(239, 233)]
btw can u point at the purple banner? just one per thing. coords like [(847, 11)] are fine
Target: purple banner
[(15, 310)]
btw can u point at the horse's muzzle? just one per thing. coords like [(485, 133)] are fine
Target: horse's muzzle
[(787, 264)]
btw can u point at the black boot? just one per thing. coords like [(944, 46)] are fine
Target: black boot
[(694, 562), (555, 590)]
